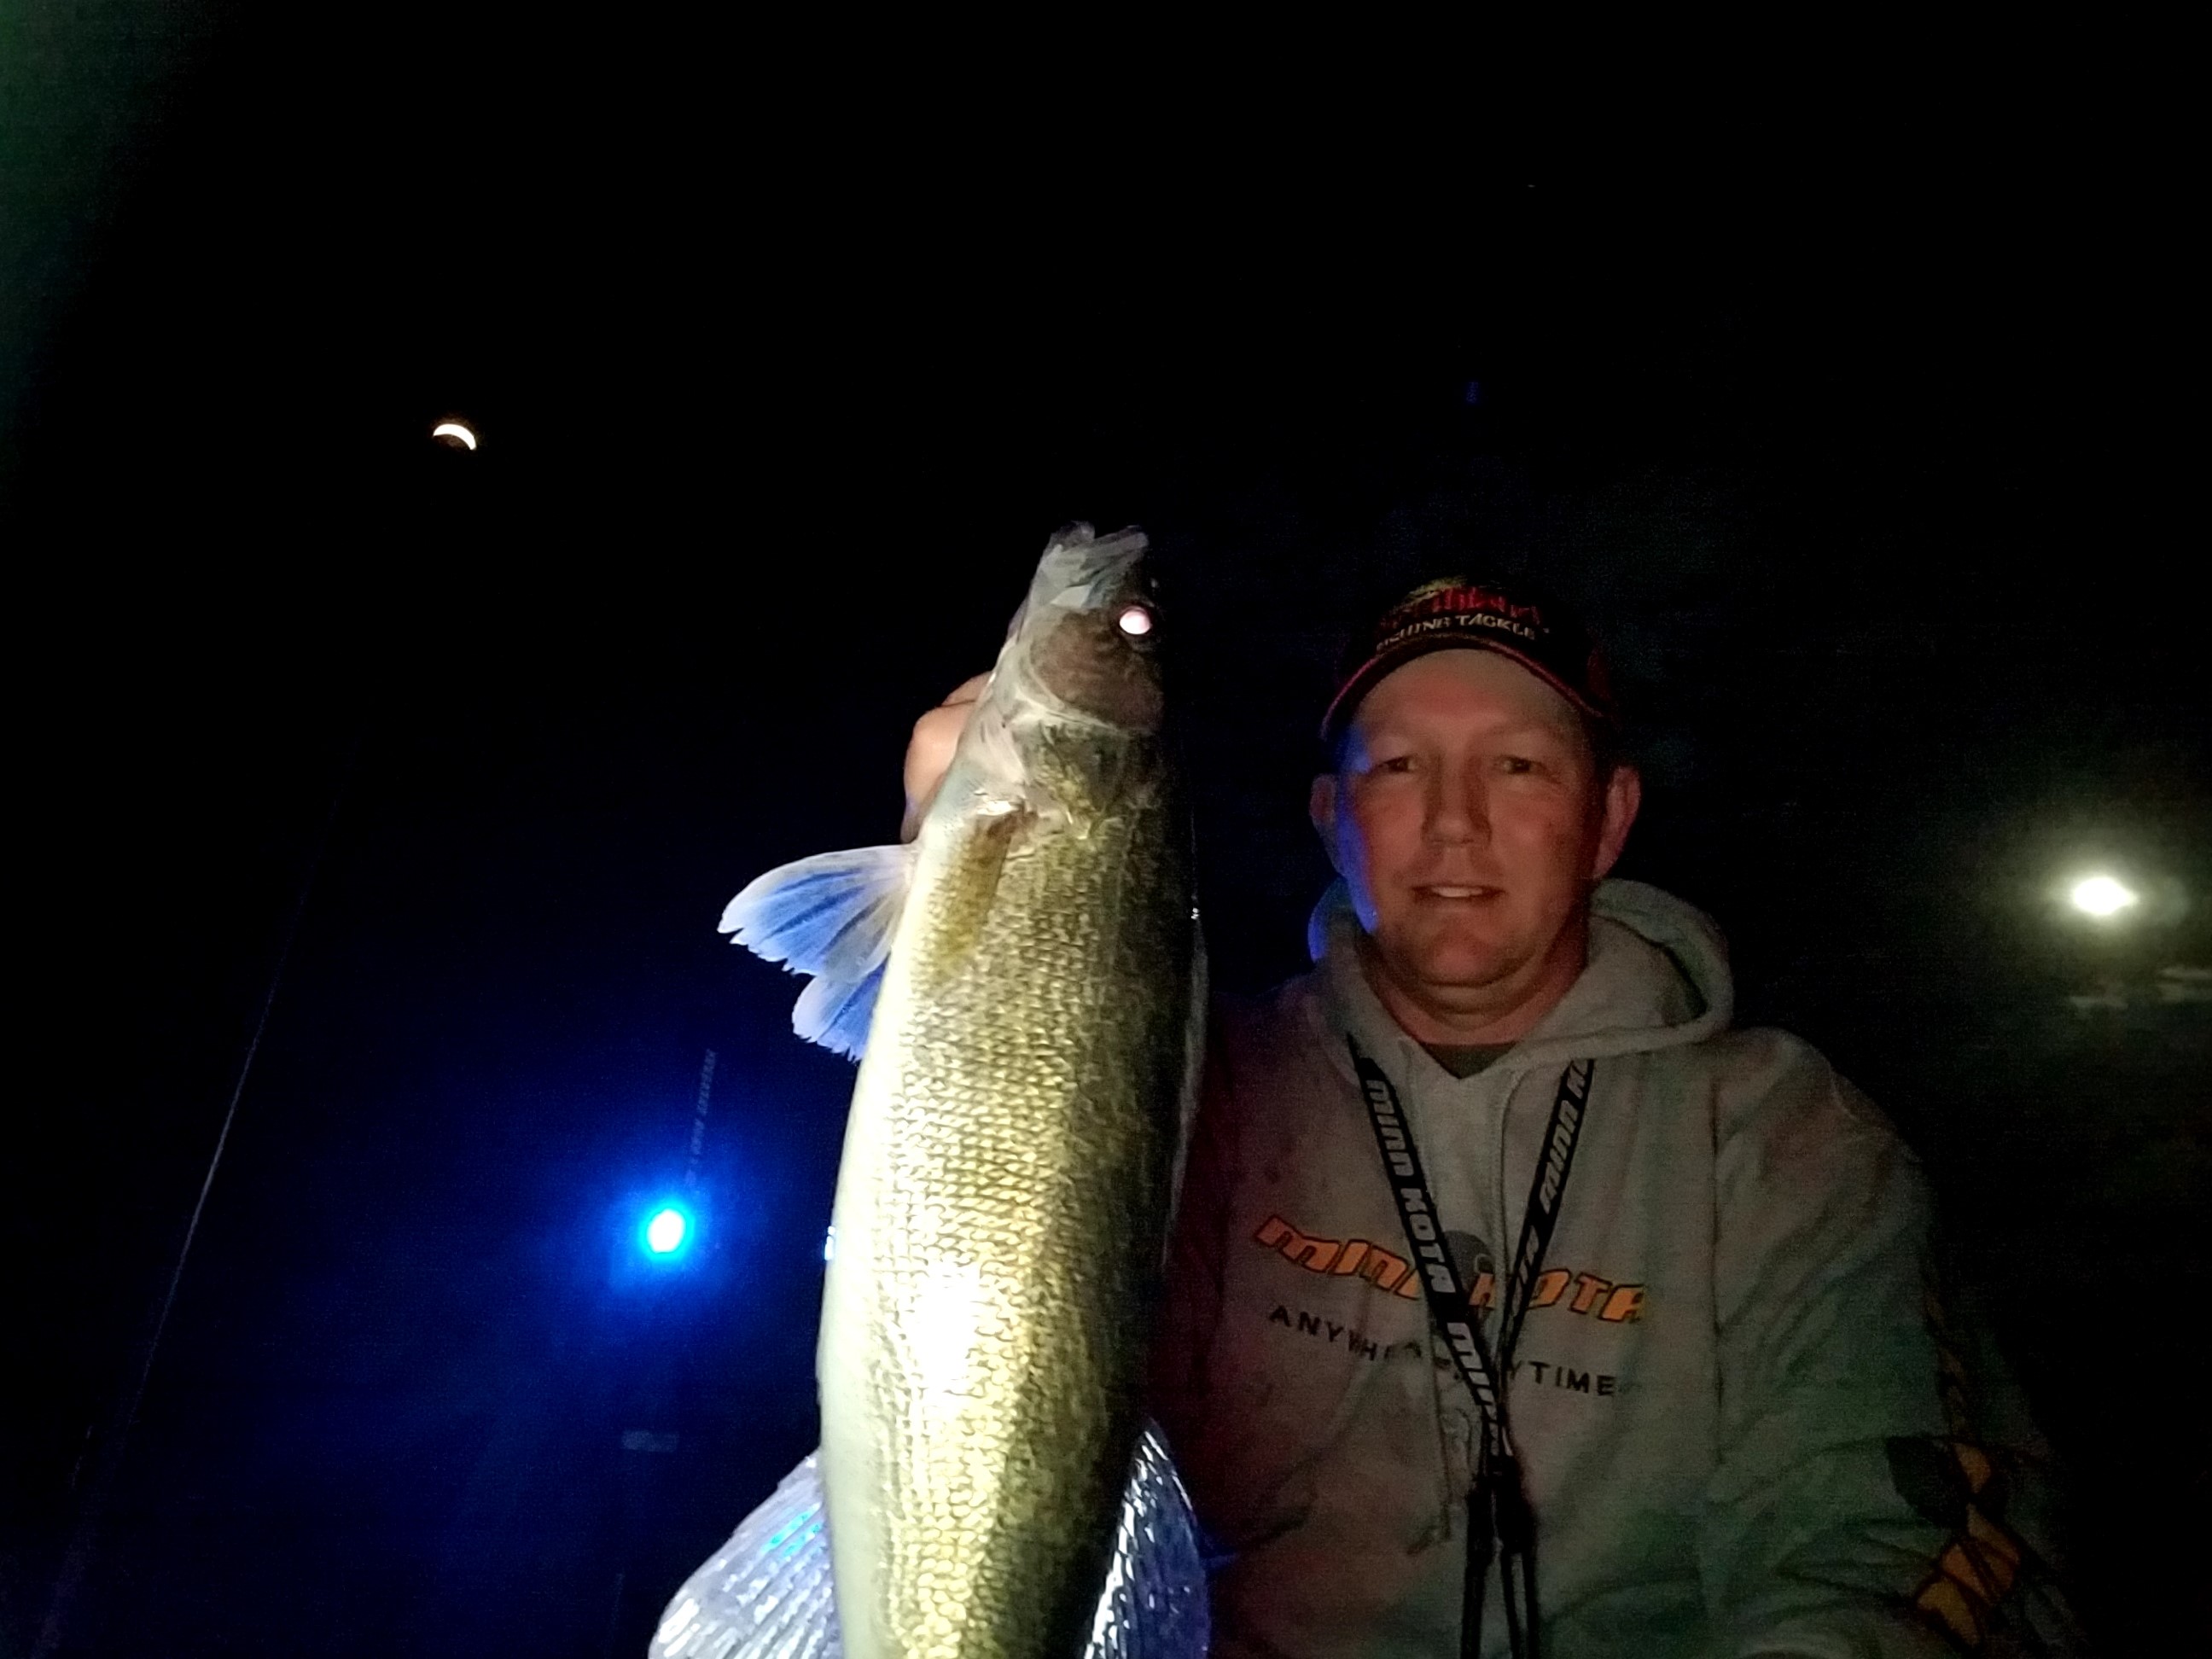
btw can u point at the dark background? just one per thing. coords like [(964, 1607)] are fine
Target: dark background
[(785, 366)]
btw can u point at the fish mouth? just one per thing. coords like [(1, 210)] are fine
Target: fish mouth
[(1083, 652), (1081, 571)]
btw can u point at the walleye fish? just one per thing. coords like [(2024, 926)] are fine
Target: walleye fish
[(1022, 984)]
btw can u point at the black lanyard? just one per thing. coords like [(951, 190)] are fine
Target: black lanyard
[(1498, 1499)]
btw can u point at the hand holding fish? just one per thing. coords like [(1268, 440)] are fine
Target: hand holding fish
[(929, 752)]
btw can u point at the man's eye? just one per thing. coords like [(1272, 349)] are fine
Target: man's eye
[(1396, 763), (1515, 764)]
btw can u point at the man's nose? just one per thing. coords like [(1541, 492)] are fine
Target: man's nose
[(1458, 812)]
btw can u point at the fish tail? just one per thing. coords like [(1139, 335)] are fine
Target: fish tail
[(1154, 1605), (766, 1593)]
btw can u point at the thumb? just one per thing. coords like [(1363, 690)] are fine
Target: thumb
[(929, 752)]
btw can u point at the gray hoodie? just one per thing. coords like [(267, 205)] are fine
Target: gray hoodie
[(1743, 1427)]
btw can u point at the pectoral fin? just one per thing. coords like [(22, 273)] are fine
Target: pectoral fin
[(832, 916)]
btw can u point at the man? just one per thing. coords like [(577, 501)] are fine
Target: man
[(1517, 1302)]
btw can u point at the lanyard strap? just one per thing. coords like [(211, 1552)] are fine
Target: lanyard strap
[(1447, 1293), (1497, 1499)]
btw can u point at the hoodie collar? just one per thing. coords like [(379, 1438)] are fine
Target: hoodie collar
[(1657, 977)]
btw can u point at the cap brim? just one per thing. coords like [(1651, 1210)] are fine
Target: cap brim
[(1340, 710)]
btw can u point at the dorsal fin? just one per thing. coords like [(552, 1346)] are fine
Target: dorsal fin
[(832, 916)]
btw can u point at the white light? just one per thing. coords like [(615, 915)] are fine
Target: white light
[(830, 1243), (1136, 622), (452, 432), (665, 1232), (2101, 896)]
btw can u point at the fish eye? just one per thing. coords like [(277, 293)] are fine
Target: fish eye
[(1135, 620)]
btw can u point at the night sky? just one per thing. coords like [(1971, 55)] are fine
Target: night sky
[(784, 371)]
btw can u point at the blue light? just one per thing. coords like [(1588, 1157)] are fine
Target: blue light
[(668, 1231)]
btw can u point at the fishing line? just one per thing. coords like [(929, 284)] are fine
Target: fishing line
[(77, 1560)]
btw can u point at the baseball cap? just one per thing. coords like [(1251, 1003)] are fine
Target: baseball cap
[(1462, 612)]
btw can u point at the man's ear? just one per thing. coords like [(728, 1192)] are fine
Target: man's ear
[(1624, 793), (1321, 807)]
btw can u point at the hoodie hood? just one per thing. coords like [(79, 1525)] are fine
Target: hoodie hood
[(1657, 977)]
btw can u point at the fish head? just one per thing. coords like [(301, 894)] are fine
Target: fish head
[(1073, 713), (1084, 648)]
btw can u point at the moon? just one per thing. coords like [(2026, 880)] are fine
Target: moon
[(455, 433)]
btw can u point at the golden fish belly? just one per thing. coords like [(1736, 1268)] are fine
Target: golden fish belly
[(1000, 1217)]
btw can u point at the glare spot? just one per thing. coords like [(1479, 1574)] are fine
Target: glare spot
[(1136, 622), (946, 1308), (454, 435), (2101, 896), (664, 1232), (830, 1243), (678, 1622)]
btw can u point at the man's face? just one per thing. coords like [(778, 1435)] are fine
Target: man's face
[(1467, 819)]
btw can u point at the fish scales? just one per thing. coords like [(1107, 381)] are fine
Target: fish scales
[(1004, 1195), (1018, 1167)]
